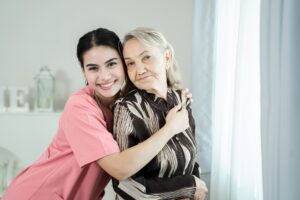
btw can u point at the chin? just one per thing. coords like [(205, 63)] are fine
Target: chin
[(145, 87), (112, 94)]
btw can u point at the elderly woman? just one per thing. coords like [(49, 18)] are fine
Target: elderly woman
[(173, 173)]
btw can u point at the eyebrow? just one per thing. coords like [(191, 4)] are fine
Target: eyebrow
[(128, 58), (110, 60), (91, 65), (106, 62)]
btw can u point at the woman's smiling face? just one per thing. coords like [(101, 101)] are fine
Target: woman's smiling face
[(104, 72)]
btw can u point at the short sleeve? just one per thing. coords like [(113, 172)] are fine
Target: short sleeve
[(85, 130)]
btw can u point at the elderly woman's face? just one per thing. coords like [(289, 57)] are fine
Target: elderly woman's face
[(146, 66)]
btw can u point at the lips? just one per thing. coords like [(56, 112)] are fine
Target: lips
[(106, 86), (144, 77)]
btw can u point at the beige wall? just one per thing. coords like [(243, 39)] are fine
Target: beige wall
[(37, 33)]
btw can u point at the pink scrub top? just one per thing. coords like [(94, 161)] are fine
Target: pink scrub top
[(67, 169)]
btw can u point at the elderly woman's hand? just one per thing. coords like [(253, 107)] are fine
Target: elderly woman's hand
[(201, 189), (177, 119), (186, 97)]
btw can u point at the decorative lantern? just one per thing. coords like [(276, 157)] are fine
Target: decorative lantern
[(44, 90)]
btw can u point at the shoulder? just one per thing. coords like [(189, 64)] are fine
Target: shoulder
[(175, 94), (133, 96), (81, 98), (130, 103), (81, 105)]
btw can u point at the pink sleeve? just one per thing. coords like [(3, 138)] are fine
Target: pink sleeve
[(85, 130)]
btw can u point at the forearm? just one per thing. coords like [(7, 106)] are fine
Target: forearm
[(126, 163), (177, 187)]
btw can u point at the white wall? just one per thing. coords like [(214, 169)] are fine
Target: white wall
[(36, 33), (27, 135)]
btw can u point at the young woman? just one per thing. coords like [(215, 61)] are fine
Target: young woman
[(173, 173), (83, 151)]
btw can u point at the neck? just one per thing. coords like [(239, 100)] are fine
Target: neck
[(162, 93), (106, 101)]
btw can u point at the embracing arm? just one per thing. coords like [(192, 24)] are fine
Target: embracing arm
[(139, 187), (126, 163), (89, 140), (177, 187)]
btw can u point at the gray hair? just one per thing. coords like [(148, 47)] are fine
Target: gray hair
[(151, 37)]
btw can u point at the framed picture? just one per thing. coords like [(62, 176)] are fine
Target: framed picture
[(18, 99), (3, 94)]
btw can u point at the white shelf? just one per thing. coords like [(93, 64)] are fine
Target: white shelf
[(31, 113)]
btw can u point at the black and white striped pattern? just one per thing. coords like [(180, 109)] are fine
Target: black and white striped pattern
[(170, 174)]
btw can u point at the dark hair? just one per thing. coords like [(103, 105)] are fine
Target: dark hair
[(102, 37), (98, 37)]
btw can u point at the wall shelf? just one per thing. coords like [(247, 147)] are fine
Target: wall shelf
[(31, 113)]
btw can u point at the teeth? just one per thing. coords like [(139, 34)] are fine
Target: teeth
[(107, 85)]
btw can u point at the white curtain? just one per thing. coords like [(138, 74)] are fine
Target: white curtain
[(280, 72), (236, 154), (202, 75)]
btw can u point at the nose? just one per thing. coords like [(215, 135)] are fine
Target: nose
[(104, 75), (141, 68)]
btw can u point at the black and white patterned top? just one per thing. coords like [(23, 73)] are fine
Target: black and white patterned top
[(170, 174)]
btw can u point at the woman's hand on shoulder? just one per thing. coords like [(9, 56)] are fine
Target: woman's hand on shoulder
[(177, 119), (186, 97), (201, 189)]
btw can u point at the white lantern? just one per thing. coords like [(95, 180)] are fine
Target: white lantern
[(44, 90)]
